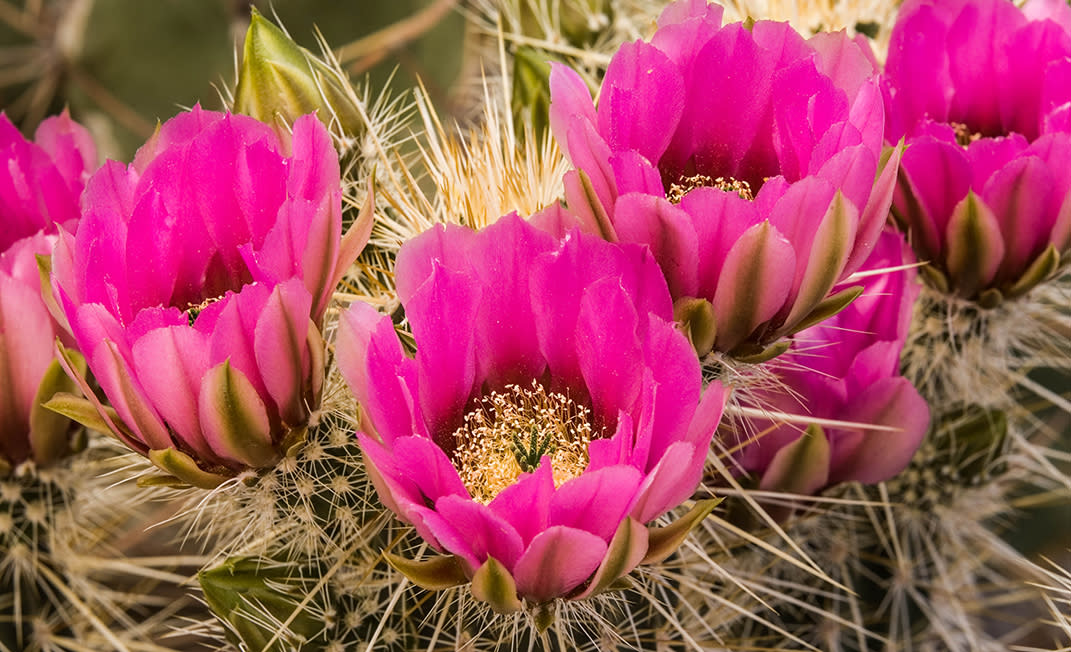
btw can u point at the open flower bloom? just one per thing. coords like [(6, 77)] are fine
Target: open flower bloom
[(195, 285), (745, 157), (982, 92), (40, 183), (846, 369), (551, 410)]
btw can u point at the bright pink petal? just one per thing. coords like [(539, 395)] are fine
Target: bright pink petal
[(507, 348), (26, 350), (642, 99), (371, 360), (938, 176), (667, 230), (879, 455), (282, 351), (558, 560), (634, 173), (918, 70), (570, 100), (676, 370), (429, 467), (670, 482), (719, 219), (171, 363), (843, 60), (441, 313), (596, 501), (608, 349), (71, 147), (526, 504), (446, 243), (1019, 196), (476, 533)]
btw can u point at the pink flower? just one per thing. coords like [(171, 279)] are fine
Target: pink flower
[(982, 93), (744, 157), (39, 185), (551, 406), (42, 181), (195, 285), (846, 369)]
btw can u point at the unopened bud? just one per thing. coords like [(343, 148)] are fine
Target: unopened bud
[(280, 80)]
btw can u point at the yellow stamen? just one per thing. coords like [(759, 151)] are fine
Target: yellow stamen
[(677, 191), (193, 310), (508, 433), (964, 135)]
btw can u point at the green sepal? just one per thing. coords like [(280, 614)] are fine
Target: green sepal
[(493, 584), (974, 245), (162, 480), (602, 220), (5, 468), (935, 277), (990, 298), (627, 549), (828, 307), (82, 410), (184, 468), (801, 467), (253, 595), (829, 253), (293, 442), (44, 272), (230, 404), (50, 432), (664, 541), (435, 574), (1043, 267), (696, 319), (762, 355), (544, 616)]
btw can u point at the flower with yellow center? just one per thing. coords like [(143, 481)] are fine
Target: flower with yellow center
[(510, 433), (552, 406)]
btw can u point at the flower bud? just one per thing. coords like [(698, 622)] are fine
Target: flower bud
[(279, 79)]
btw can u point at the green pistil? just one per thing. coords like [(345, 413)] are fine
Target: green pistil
[(537, 446)]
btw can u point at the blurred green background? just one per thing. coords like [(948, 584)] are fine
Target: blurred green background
[(121, 65)]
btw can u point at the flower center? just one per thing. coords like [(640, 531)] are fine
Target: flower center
[(678, 190), (508, 433), (964, 135), (194, 310)]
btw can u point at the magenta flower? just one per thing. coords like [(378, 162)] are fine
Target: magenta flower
[(744, 157), (982, 93), (551, 410), (195, 286), (846, 369), (39, 186), (42, 181)]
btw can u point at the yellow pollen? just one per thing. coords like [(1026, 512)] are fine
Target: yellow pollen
[(194, 309), (508, 433), (964, 135), (677, 191)]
